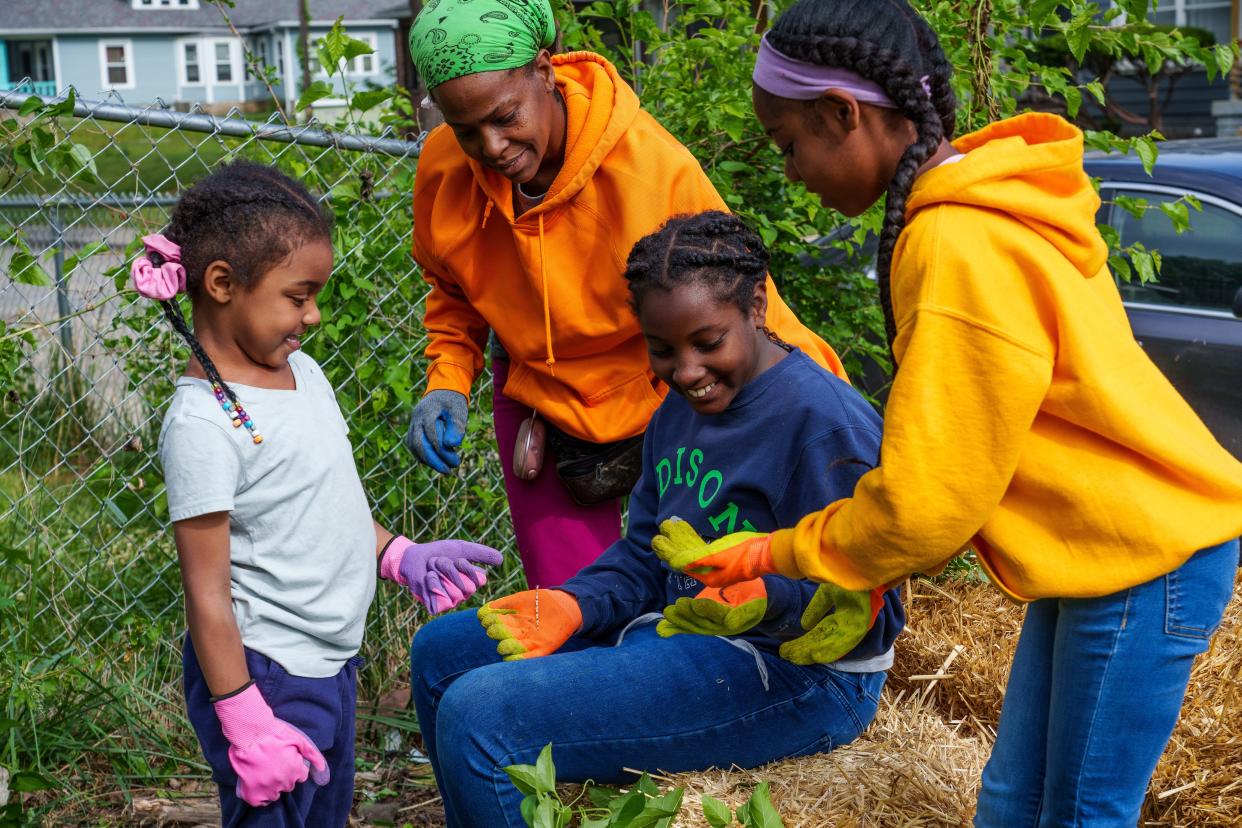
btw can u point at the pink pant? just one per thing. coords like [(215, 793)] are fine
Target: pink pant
[(555, 536)]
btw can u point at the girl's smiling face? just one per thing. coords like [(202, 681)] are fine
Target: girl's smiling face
[(843, 151), (703, 348), (266, 319)]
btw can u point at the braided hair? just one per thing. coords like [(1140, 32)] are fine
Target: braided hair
[(888, 43), (714, 249), (249, 215)]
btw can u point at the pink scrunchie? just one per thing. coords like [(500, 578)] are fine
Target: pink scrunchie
[(163, 282)]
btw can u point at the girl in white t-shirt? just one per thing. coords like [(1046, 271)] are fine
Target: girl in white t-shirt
[(276, 543)]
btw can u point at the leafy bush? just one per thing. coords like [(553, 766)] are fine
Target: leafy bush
[(642, 806)]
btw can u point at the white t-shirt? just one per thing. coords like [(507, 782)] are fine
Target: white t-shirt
[(301, 539)]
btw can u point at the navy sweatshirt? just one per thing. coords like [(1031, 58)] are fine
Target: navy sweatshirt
[(795, 439)]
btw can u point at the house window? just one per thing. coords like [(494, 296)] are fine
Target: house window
[(1214, 15), (224, 61), (280, 56), (193, 74), (116, 61), (165, 4), (260, 54), (365, 64)]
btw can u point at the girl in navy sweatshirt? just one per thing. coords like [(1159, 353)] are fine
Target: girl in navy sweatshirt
[(752, 436)]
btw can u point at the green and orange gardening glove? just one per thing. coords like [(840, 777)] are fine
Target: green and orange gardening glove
[(835, 621), (730, 610), (741, 556), (532, 623)]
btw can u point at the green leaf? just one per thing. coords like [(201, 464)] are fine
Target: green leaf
[(527, 808), (1079, 37), (1120, 267), (1073, 100), (718, 814), (72, 263), (545, 770), (1096, 90), (370, 98), (65, 107), (1041, 10), (315, 92), (26, 781), (30, 106), (24, 266), (1178, 213), (1136, 207), (523, 778), (1144, 264), (1145, 146), (761, 812), (81, 155), (546, 813), (1225, 55)]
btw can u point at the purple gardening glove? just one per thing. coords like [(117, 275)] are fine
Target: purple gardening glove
[(269, 755), (441, 574)]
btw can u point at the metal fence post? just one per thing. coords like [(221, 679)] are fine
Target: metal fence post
[(63, 305)]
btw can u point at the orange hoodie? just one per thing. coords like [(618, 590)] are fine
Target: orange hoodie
[(1024, 418), (550, 282)]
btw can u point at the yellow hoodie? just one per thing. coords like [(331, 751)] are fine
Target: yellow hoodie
[(550, 282), (1024, 418)]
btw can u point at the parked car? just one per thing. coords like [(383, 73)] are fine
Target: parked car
[(1189, 321)]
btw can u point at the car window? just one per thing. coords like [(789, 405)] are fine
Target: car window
[(1202, 266)]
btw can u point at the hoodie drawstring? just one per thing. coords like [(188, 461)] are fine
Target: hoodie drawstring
[(487, 211), (547, 315)]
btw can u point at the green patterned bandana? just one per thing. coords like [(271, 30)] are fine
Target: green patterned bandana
[(452, 38)]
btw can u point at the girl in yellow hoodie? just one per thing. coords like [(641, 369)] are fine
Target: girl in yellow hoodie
[(1024, 420), (526, 204)]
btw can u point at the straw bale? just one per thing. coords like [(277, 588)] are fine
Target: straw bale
[(910, 768), (977, 622)]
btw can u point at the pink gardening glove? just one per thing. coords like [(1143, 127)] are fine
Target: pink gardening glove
[(269, 755), (440, 574)]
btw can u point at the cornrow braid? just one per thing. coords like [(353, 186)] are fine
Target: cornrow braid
[(713, 248), (248, 215), (889, 44)]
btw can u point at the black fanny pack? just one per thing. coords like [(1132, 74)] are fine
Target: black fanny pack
[(596, 472)]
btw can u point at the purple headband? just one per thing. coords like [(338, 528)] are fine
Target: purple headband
[(785, 77)]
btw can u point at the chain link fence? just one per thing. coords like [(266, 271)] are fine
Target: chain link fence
[(91, 597)]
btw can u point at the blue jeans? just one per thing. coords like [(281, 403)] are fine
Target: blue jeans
[(322, 708), (684, 703), (1093, 695)]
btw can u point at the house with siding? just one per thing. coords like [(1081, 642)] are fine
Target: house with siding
[(1198, 106), (183, 51)]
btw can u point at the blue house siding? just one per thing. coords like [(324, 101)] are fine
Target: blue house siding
[(149, 64), (60, 42)]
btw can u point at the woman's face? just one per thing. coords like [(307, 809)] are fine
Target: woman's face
[(507, 120)]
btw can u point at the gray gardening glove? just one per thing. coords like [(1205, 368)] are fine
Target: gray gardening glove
[(437, 428)]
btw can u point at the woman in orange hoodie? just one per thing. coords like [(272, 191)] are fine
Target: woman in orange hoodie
[(1024, 419), (526, 204)]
